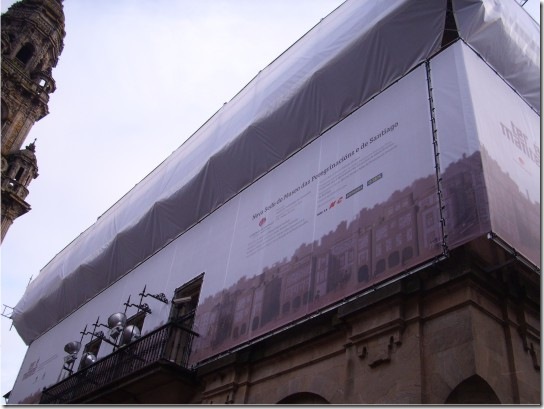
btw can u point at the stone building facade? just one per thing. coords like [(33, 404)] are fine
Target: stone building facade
[(32, 41)]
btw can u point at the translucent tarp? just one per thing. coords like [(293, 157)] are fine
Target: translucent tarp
[(349, 57), (507, 38), (489, 154)]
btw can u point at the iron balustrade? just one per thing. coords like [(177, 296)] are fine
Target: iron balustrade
[(170, 343)]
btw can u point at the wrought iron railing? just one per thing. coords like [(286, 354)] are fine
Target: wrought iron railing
[(171, 342)]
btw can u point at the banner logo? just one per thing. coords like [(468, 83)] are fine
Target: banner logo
[(520, 141)]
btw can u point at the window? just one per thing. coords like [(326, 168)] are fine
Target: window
[(185, 301), (184, 305), (255, 323), (286, 308), (296, 302), (380, 266), (350, 256), (90, 353), (19, 173), (362, 274), (407, 253), (305, 297), (25, 53), (4, 112), (136, 321), (394, 259)]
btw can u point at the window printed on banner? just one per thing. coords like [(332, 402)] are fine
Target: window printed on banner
[(350, 210)]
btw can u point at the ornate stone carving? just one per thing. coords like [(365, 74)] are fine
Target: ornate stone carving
[(32, 40)]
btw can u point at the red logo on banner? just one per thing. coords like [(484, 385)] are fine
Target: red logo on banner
[(336, 202), (263, 221)]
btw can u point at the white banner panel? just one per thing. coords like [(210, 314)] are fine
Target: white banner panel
[(509, 135), (204, 248), (348, 211), (489, 153), (463, 188)]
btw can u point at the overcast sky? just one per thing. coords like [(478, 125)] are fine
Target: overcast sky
[(135, 79)]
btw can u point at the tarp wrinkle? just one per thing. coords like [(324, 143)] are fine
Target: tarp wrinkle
[(348, 58)]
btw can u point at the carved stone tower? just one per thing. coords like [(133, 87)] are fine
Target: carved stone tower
[(32, 41)]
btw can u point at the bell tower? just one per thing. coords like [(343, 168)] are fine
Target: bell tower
[(32, 41)]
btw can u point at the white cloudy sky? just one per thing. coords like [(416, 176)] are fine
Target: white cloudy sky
[(135, 79)]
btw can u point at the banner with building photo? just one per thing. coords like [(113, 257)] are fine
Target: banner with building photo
[(353, 208), (489, 154), (509, 135)]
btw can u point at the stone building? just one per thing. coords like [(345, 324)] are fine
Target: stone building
[(32, 41), (377, 241)]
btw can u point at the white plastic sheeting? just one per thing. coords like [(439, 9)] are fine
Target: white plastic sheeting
[(489, 135), (488, 139), (352, 55), (507, 38)]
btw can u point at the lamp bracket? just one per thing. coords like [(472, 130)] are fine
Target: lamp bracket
[(142, 307), (160, 297)]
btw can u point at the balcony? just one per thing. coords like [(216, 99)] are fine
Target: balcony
[(32, 85), (152, 369), (12, 186)]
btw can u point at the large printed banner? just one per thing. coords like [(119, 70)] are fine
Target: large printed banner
[(490, 154), (353, 208), (356, 206), (509, 133)]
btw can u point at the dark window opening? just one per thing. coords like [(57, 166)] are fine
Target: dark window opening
[(305, 297), (304, 398), (380, 266), (182, 312), (133, 329), (5, 113), (362, 274), (473, 391), (255, 323), (90, 353), (407, 253), (137, 320), (393, 259), (286, 307), (296, 302), (19, 173), (185, 302), (25, 53), (243, 329)]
